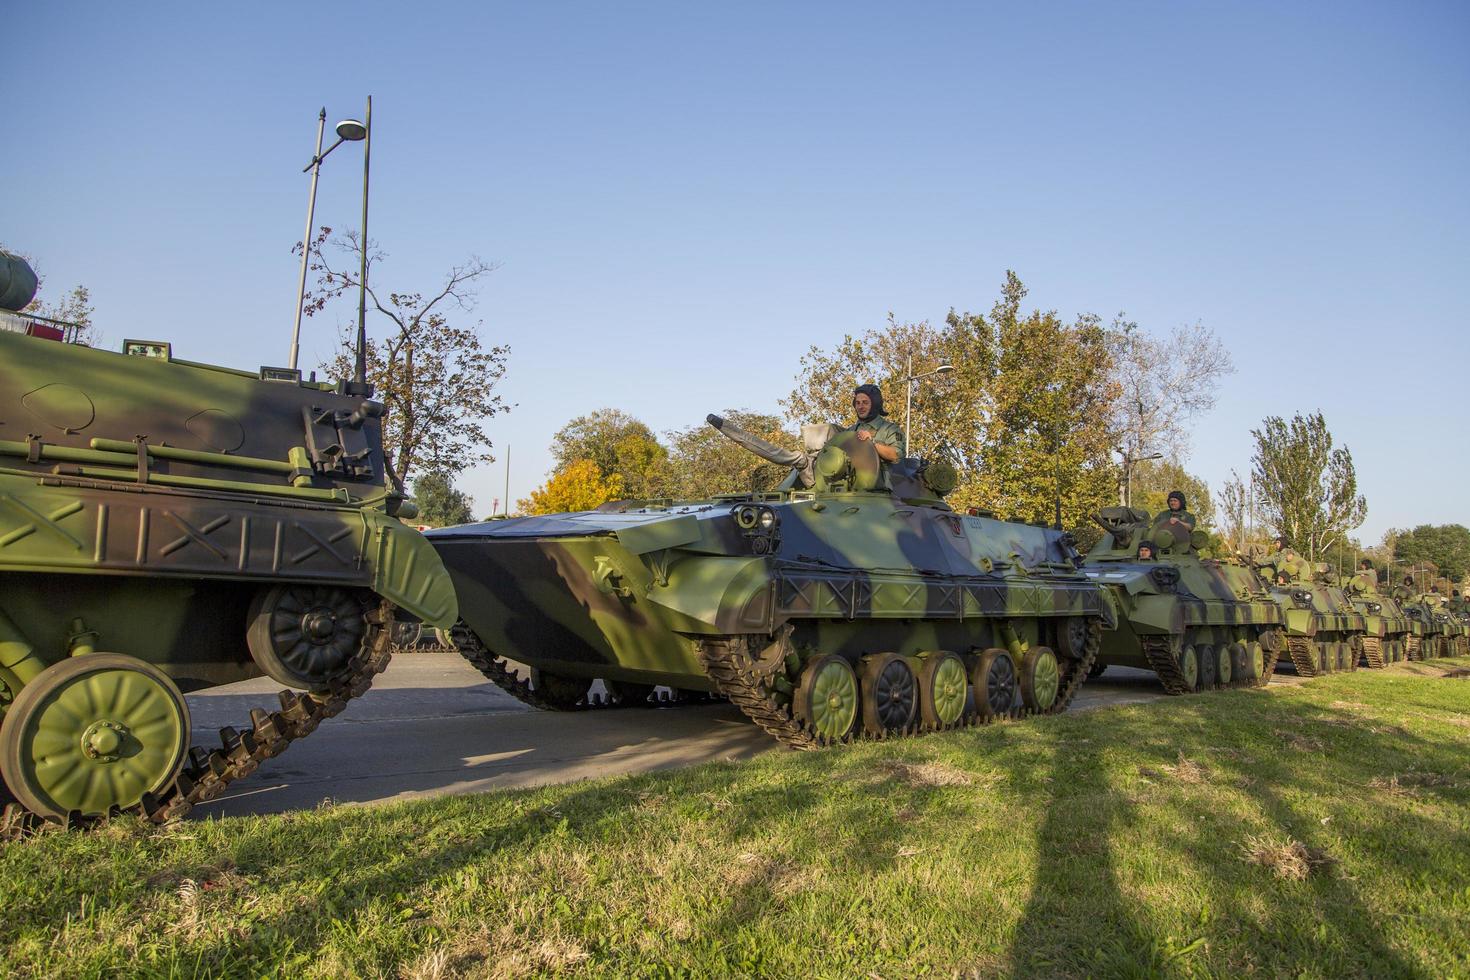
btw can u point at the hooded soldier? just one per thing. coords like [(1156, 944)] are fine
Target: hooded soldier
[(1177, 518), (874, 425), (1146, 551), (1288, 562)]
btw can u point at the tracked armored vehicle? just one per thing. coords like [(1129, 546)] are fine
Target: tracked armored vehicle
[(167, 526), (1197, 623), (1388, 630), (850, 602), (1324, 631), (1442, 634)]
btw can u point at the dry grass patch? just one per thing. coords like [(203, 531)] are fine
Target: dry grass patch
[(1185, 771), (1409, 783), (928, 773), (1288, 860), (1302, 743), (1350, 705)]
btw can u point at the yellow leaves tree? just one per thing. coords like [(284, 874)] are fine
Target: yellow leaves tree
[(579, 485)]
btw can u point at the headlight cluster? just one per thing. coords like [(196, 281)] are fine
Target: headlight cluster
[(1375, 607), (1302, 596), (761, 526)]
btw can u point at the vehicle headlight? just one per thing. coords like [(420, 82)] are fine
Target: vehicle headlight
[(747, 517), (767, 519)]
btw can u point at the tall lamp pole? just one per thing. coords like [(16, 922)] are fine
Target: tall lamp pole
[(367, 152), (348, 130), (908, 384), (1126, 497)]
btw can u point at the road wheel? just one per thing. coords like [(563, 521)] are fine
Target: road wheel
[(1253, 660), (92, 734), (1189, 667), (890, 694), (994, 681), (1224, 669), (1206, 654), (1040, 679), (827, 697), (304, 635), (944, 689)]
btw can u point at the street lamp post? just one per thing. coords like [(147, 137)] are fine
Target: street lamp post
[(908, 384), (348, 130), (367, 152), (1126, 497)]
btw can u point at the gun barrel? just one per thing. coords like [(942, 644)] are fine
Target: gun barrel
[(768, 451)]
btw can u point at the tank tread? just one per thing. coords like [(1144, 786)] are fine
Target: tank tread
[(498, 670), (1302, 653), (1412, 644), (208, 771), (1159, 652), (731, 662)]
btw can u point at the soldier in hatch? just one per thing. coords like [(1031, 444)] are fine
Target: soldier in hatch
[(1406, 590), (873, 425), (1177, 519), (1287, 562), (1366, 580), (1145, 552)]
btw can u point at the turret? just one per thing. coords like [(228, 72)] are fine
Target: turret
[(17, 282), (835, 460)]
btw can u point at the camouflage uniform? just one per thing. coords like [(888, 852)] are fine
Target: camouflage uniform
[(1184, 528)]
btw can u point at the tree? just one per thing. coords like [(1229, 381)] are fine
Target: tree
[(580, 485), (435, 377), (620, 445), (1024, 416), (1308, 490), (702, 462), (1447, 546), (440, 504), (1165, 384)]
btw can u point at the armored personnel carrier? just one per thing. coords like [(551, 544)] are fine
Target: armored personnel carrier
[(850, 602), (1198, 623), (167, 526), (1442, 634), (1324, 632), (1388, 630)]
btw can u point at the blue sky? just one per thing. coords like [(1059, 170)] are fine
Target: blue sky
[(683, 198)]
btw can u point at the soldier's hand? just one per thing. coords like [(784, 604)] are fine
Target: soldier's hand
[(864, 435)]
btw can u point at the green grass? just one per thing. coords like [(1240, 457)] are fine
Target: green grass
[(1116, 842)]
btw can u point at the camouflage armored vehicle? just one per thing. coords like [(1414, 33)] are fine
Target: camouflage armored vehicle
[(1389, 632), (833, 606), (1198, 623), (1443, 633), (167, 526), (1324, 631)]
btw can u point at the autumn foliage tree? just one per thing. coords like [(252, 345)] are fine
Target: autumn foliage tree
[(579, 485), (1026, 414), (702, 462), (620, 445)]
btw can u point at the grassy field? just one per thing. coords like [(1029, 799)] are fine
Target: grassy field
[(1318, 830)]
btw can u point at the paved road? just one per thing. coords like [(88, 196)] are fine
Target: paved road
[(432, 726)]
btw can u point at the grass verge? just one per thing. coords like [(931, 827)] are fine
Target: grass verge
[(1318, 830)]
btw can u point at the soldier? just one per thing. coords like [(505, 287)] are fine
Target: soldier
[(1366, 580), (874, 425), (1405, 590), (1146, 551), (1287, 561), (1177, 519)]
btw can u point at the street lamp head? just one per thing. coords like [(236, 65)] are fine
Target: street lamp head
[(351, 130), (944, 369)]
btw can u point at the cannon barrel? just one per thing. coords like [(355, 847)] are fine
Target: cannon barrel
[(17, 282), (768, 451)]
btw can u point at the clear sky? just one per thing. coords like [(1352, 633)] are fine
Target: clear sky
[(682, 199)]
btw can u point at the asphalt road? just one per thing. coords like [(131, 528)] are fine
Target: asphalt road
[(432, 726)]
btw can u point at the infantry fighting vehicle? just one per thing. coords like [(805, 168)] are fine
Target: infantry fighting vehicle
[(1324, 632), (1198, 623), (1442, 633), (1388, 629), (167, 526), (852, 600)]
